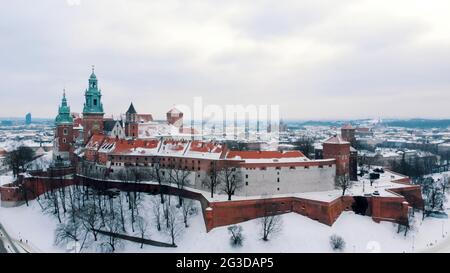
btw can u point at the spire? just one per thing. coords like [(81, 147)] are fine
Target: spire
[(93, 96), (93, 72), (64, 116), (64, 100), (131, 109)]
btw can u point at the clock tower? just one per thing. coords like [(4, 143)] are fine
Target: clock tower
[(93, 109), (64, 140)]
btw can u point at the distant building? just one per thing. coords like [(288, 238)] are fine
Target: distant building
[(28, 119), (348, 134), (6, 123)]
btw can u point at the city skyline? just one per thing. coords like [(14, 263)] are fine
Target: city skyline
[(317, 60)]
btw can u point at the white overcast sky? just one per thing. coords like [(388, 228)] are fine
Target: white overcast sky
[(315, 59)]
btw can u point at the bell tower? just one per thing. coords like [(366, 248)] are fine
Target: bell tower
[(63, 143), (131, 122), (93, 109)]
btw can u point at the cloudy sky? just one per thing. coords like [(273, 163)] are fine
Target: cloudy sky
[(315, 59)]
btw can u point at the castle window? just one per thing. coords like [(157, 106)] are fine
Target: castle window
[(306, 167), (95, 102), (65, 131), (292, 167), (278, 189), (246, 183), (278, 180), (246, 176), (64, 140)]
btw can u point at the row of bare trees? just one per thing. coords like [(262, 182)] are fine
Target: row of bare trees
[(225, 179), (95, 216)]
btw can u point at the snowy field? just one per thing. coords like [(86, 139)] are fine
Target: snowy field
[(299, 234)]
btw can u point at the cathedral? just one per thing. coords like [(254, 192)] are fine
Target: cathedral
[(73, 131)]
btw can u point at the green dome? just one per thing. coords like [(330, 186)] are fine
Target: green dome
[(64, 116), (93, 96)]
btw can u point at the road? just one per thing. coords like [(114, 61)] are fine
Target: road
[(2, 248), (6, 244), (443, 247)]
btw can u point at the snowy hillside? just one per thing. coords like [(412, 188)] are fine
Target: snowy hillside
[(299, 234)]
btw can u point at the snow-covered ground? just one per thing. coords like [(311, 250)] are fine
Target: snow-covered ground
[(41, 163), (6, 178), (299, 233)]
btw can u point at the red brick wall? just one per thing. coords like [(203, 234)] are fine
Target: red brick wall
[(224, 213), (132, 130), (412, 194), (67, 146), (340, 152), (89, 122)]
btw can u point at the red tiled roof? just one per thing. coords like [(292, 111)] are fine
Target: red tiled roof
[(362, 129), (348, 126), (205, 147), (174, 110), (145, 117), (127, 146), (95, 142), (77, 122), (264, 154), (191, 131), (335, 140), (176, 145)]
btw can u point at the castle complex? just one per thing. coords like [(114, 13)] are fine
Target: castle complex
[(112, 145), (127, 152)]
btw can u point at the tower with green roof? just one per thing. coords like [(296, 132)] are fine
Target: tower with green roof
[(63, 143), (92, 109)]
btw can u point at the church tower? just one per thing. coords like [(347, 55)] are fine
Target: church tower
[(93, 109), (63, 143), (131, 122)]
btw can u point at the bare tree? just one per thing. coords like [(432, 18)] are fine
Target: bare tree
[(18, 158), (236, 238), (111, 242), (343, 182), (142, 226), (231, 180), (212, 181), (156, 173), (71, 230), (175, 226), (121, 213), (179, 177), (445, 183), (271, 222), (188, 210), (90, 219), (337, 242), (156, 208)]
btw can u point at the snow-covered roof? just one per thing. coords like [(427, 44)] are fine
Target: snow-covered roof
[(336, 139)]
